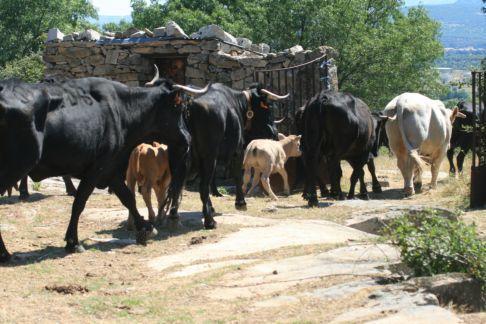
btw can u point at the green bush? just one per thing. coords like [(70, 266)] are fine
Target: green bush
[(29, 69), (430, 244)]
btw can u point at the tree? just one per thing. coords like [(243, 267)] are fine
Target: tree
[(383, 51), (114, 27), (29, 68), (23, 24)]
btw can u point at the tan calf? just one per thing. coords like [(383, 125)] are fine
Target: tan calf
[(149, 168), (267, 157)]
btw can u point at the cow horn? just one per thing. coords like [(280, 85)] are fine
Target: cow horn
[(189, 90), (279, 121), (274, 96), (156, 77)]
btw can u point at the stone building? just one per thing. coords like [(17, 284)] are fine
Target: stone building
[(209, 55)]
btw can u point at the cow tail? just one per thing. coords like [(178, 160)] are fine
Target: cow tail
[(245, 157), (413, 153)]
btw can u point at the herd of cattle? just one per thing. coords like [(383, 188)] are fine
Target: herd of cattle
[(93, 129)]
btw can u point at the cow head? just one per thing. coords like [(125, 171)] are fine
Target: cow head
[(291, 144), (455, 113), (379, 121), (23, 113), (260, 121)]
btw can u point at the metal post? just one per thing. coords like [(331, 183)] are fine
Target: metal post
[(475, 123)]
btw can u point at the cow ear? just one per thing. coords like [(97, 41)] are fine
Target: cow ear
[(456, 114), (281, 136)]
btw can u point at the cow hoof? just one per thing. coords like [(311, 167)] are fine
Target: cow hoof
[(408, 192), (340, 196), (240, 205), (23, 197), (313, 202), (75, 248), (363, 196), (174, 223), (377, 189), (4, 257), (417, 186), (211, 224)]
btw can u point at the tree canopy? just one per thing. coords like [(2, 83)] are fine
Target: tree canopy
[(384, 49), (23, 24)]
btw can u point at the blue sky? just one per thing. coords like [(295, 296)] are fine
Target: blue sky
[(122, 7)]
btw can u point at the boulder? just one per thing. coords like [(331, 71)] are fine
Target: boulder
[(160, 32), (261, 48), (174, 30), (109, 34), (295, 49), (90, 35), (244, 42), (68, 38), (148, 32), (138, 34), (130, 31), (106, 38), (214, 31), (119, 35), (54, 35)]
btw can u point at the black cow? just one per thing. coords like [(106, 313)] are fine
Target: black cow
[(339, 126), (218, 122), (462, 136), (87, 128)]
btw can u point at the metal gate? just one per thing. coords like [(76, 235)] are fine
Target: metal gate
[(478, 170), (301, 81)]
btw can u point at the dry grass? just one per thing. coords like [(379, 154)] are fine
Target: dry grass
[(121, 288)]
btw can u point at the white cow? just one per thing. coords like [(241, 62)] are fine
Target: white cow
[(419, 130)]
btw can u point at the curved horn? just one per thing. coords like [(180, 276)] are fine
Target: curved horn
[(156, 77), (274, 96), (189, 90), (279, 121)]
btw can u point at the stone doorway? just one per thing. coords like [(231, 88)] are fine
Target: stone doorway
[(173, 67)]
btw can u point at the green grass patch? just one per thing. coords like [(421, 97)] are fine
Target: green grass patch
[(430, 244)]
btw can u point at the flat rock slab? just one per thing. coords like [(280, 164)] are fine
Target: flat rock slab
[(259, 239), (205, 267), (273, 276), (394, 305)]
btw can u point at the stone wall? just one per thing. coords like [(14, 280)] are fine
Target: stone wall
[(212, 56)]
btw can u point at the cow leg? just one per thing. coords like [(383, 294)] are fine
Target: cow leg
[(323, 188), (363, 192), (257, 175), (336, 174), (406, 168), (376, 186), (237, 164), (266, 184), (285, 178), (23, 189), (145, 229), (70, 188), (147, 198), (131, 183), (310, 179), (4, 255), (72, 242), (9, 192), (206, 172), (178, 163), (246, 179), (417, 180), (214, 188), (460, 159), (161, 192), (450, 157), (354, 179)]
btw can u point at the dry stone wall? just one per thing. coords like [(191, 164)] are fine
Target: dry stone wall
[(210, 55)]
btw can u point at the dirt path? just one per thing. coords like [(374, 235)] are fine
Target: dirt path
[(277, 262)]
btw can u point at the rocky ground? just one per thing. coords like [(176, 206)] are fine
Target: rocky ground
[(277, 262)]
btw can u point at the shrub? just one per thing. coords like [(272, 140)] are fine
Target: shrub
[(29, 69), (430, 244)]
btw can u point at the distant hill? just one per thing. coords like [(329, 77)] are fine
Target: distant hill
[(463, 32)]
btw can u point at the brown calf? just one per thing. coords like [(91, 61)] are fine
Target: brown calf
[(267, 157), (149, 168)]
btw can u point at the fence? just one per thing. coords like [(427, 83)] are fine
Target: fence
[(301, 81), (478, 170)]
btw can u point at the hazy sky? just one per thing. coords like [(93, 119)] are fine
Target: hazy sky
[(122, 7)]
